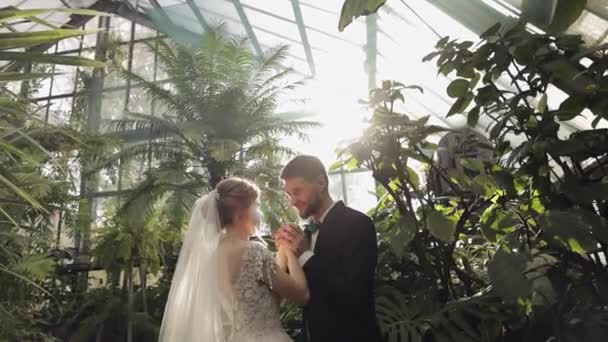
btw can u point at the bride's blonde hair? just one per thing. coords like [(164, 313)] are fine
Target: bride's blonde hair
[(235, 194)]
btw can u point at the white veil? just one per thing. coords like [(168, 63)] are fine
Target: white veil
[(198, 307)]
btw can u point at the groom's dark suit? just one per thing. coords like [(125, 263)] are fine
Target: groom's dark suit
[(340, 276)]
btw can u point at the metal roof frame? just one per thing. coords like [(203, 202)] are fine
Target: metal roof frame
[(297, 12)]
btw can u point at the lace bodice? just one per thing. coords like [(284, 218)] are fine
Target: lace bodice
[(257, 307)]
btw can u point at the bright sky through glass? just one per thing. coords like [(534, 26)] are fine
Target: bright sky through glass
[(341, 76)]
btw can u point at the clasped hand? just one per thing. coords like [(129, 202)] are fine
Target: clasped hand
[(289, 236)]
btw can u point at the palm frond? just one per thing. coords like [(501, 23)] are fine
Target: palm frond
[(165, 50), (160, 150), (265, 86), (157, 126), (285, 128), (25, 279), (154, 91), (274, 91), (35, 266), (272, 62), (10, 183)]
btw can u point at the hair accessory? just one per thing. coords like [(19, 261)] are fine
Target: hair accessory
[(215, 195)]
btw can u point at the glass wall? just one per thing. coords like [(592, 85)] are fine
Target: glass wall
[(337, 68)]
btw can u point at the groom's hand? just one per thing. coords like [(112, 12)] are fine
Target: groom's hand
[(292, 236)]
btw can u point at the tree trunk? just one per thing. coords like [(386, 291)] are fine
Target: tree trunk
[(142, 282), (115, 277), (125, 283), (99, 336), (129, 277), (217, 172)]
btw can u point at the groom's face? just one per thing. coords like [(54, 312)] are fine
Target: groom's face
[(305, 195)]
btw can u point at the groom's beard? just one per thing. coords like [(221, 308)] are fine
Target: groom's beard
[(313, 207)]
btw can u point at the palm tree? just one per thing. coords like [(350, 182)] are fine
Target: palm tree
[(219, 119)]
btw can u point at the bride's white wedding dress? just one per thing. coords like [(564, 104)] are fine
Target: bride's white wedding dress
[(257, 315), (221, 291)]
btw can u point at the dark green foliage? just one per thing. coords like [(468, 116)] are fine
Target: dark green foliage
[(35, 178), (524, 229)]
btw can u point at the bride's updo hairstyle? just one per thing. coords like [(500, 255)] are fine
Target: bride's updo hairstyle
[(234, 195)]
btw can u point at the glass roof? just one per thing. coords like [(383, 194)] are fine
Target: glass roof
[(339, 66)]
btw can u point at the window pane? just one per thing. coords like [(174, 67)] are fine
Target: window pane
[(335, 187), (112, 107), (133, 172), (361, 190), (59, 111), (139, 102), (143, 61)]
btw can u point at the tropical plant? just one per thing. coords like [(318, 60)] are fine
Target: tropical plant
[(32, 179), (419, 232), (548, 194), (522, 231), (565, 12), (219, 119)]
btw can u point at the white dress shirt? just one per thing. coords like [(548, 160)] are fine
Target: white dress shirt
[(309, 253)]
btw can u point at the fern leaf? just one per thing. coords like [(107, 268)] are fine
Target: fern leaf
[(38, 267)]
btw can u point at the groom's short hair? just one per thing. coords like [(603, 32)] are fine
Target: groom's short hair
[(305, 166)]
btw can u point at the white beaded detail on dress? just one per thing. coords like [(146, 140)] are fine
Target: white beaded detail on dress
[(257, 312)]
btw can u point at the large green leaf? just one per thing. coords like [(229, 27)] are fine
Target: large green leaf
[(496, 221), (598, 224), (571, 107), (490, 31), (439, 225), (352, 9), (568, 228), (21, 76), (460, 105), (458, 88), (484, 185), (51, 59), (15, 40), (566, 13), (584, 192), (413, 177), (402, 232), (473, 117), (506, 271), (14, 13)]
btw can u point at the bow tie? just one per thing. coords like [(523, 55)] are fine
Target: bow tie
[(312, 227)]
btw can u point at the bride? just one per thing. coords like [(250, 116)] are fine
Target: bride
[(226, 288)]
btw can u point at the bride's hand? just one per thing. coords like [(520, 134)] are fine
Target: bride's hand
[(289, 254), (281, 256)]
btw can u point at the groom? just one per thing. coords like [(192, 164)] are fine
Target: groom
[(338, 252)]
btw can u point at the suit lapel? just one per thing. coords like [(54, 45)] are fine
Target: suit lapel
[(329, 221)]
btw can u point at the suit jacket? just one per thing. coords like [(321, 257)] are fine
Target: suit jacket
[(340, 276)]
